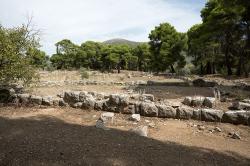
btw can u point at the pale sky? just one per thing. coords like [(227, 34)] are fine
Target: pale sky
[(99, 20)]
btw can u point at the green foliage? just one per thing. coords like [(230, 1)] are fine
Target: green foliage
[(15, 47), (84, 73), (166, 46), (187, 70), (131, 61), (37, 58), (142, 53), (94, 55), (49, 67), (222, 41), (66, 55)]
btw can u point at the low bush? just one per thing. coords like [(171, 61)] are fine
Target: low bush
[(84, 73)]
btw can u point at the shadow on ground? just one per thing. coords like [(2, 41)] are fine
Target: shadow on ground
[(47, 140)]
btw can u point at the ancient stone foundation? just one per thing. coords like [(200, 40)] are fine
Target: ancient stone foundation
[(197, 108)]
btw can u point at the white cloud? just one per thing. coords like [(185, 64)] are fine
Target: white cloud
[(81, 20)]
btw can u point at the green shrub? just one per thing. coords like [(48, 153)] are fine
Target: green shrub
[(187, 70), (84, 73), (49, 67), (15, 66)]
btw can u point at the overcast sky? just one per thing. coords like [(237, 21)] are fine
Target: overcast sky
[(99, 20)]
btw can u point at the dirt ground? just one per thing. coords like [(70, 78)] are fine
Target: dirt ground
[(160, 92), (126, 76), (61, 76), (53, 91), (64, 136), (164, 92)]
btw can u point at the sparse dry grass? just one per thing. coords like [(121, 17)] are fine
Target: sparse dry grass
[(54, 90), (62, 75)]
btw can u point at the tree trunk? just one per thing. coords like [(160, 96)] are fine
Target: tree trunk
[(229, 70), (246, 72), (209, 69), (172, 69), (119, 68), (238, 73), (227, 60), (139, 65), (246, 55), (213, 68), (57, 50), (201, 69)]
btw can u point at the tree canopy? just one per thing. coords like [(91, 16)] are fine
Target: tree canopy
[(166, 46), (222, 40), (94, 55), (18, 54)]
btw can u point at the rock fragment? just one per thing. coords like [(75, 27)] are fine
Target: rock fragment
[(141, 131)]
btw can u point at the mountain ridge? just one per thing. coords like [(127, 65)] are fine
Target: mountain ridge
[(120, 41)]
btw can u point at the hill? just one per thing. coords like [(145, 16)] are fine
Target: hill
[(119, 41)]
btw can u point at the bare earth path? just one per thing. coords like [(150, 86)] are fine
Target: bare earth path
[(58, 137)]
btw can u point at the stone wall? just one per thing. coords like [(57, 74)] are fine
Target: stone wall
[(142, 104)]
